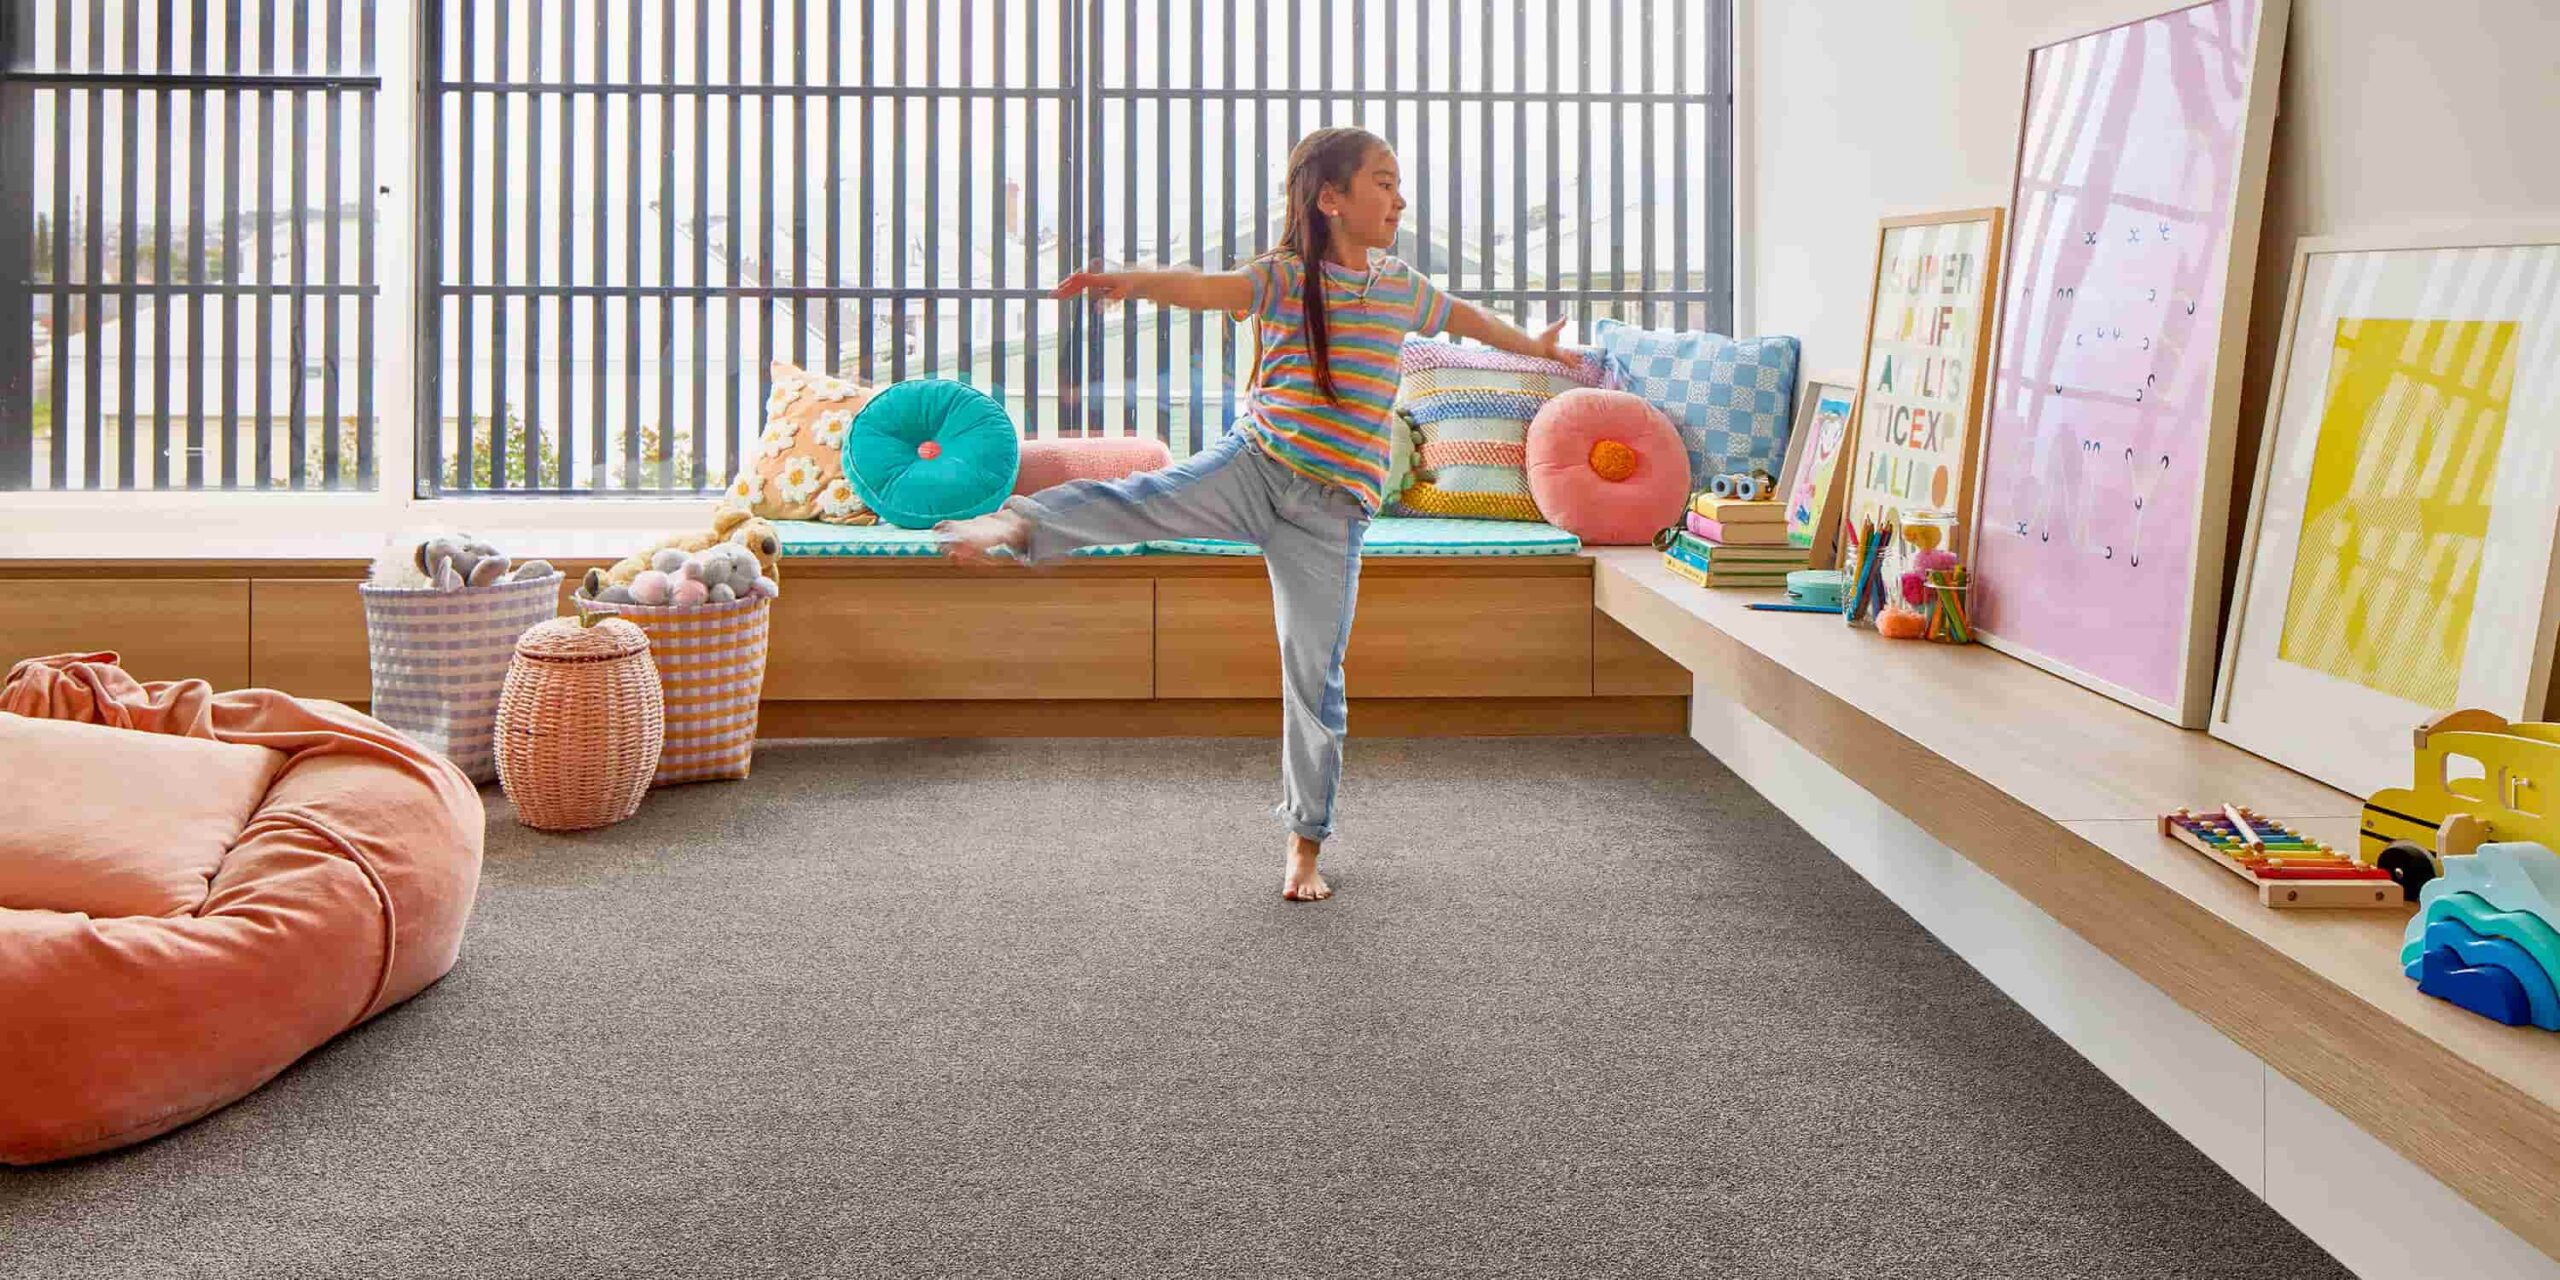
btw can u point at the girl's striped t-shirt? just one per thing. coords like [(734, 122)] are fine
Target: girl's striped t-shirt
[(1367, 314)]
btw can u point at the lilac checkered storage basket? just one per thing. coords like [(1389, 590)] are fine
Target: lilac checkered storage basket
[(711, 660), (440, 659)]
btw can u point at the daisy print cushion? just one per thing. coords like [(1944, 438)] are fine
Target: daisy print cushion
[(795, 469)]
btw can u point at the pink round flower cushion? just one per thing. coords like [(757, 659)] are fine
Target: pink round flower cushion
[(1606, 467), (1053, 462)]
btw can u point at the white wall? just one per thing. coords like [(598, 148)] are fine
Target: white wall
[(2392, 115)]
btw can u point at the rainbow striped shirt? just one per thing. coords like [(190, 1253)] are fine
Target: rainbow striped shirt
[(1366, 316)]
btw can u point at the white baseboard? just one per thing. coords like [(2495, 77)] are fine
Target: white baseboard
[(2376, 1212)]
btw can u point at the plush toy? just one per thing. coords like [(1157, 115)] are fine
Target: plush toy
[(450, 562), (740, 556)]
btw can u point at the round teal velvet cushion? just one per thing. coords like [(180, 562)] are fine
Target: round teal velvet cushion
[(932, 449)]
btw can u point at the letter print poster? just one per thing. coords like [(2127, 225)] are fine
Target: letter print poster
[(1926, 338), (2407, 509), (2107, 446)]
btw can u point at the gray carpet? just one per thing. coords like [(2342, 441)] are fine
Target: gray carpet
[(1583, 1007)]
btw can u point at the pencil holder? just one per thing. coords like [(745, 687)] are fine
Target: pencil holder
[(1950, 605)]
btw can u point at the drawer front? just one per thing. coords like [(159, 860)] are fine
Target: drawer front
[(306, 637), (1412, 637), (962, 637), (163, 628)]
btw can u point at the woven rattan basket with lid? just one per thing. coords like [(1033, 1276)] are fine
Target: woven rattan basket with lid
[(580, 724)]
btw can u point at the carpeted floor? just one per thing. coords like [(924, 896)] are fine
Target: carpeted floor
[(1583, 1007)]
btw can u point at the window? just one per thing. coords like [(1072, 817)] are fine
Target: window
[(628, 210), (194, 303)]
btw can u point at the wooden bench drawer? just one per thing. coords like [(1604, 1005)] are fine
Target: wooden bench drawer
[(1413, 637), (162, 628), (973, 637)]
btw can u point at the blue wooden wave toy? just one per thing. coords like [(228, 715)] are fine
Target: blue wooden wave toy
[(2487, 935)]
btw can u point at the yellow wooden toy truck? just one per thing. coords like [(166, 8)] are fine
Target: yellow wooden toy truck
[(2478, 778)]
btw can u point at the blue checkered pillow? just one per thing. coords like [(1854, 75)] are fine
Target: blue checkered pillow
[(1730, 397)]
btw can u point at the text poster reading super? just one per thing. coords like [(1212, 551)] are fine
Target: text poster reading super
[(1916, 419)]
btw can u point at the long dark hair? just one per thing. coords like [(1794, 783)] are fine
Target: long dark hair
[(1325, 158)]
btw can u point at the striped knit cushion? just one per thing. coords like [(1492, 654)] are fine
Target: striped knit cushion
[(1472, 406), (711, 660)]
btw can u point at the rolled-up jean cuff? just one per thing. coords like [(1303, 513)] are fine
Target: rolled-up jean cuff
[(1306, 829)]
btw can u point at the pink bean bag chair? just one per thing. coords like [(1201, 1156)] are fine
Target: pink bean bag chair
[(198, 888), (1607, 467), (1051, 462)]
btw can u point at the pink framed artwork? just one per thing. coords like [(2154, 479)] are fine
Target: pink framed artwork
[(2106, 478)]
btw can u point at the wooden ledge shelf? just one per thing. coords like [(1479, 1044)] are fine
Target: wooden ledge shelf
[(2054, 790)]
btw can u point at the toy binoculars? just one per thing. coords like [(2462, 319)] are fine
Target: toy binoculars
[(1741, 486)]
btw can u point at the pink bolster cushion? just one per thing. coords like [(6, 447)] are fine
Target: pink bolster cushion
[(1055, 462), (1607, 467)]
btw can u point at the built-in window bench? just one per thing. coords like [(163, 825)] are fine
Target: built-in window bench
[(1142, 645)]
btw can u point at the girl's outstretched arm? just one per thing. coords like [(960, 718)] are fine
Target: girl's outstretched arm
[(1467, 320), (1174, 287)]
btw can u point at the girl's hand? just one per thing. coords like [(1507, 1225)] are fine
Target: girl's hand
[(1110, 286), (1549, 349)]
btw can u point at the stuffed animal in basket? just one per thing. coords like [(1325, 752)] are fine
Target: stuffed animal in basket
[(740, 556), (450, 562)]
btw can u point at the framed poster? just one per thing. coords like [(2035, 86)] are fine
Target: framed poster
[(2106, 456), (2402, 529), (1919, 396), (1812, 479)]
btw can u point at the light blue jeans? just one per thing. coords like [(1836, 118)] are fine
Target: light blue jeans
[(1309, 532)]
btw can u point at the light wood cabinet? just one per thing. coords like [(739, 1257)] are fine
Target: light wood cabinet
[(162, 628), (1412, 637), (973, 637), (307, 637)]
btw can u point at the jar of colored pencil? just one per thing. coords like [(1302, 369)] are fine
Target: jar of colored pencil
[(1950, 614)]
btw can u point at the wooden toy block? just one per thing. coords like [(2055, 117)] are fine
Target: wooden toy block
[(2289, 869)]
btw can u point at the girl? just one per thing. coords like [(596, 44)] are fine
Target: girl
[(1300, 474)]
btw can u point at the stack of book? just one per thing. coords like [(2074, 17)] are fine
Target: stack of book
[(1729, 543)]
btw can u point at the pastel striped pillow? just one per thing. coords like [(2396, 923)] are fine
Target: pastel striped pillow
[(1471, 408)]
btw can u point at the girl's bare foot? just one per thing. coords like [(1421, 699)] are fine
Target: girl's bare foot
[(1302, 884), (974, 540)]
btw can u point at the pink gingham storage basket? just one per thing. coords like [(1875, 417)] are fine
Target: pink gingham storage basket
[(440, 658), (711, 660)]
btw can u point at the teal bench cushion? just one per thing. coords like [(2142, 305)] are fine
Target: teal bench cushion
[(1388, 536)]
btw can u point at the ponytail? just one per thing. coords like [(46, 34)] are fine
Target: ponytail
[(1324, 158)]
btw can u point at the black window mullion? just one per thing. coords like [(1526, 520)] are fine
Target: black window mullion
[(162, 299), (898, 154), (1199, 218), (965, 359), (1006, 205)]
